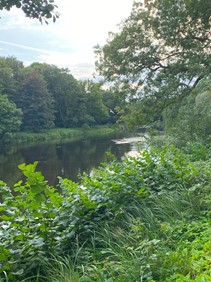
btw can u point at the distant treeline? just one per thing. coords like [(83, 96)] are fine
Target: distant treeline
[(43, 96)]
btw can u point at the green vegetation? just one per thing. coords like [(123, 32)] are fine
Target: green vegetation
[(159, 57), (145, 219), (44, 96), (35, 101), (10, 116), (60, 134), (40, 9), (191, 117)]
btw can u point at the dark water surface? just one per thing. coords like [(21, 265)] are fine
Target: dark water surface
[(60, 159)]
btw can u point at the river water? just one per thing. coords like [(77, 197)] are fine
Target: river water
[(62, 159)]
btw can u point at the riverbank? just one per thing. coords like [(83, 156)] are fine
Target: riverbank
[(135, 220), (60, 134)]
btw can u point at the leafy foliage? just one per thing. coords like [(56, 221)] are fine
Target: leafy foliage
[(65, 90), (95, 106), (35, 101), (50, 96), (141, 200), (159, 55), (191, 116), (10, 116), (41, 9)]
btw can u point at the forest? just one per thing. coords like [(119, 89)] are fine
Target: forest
[(144, 219), (43, 96)]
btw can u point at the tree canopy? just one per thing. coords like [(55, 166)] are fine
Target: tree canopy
[(161, 52), (191, 117), (10, 116), (39, 9), (35, 101), (49, 96)]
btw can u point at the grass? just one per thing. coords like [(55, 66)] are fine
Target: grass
[(164, 239), (64, 134)]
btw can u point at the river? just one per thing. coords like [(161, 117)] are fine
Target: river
[(62, 159)]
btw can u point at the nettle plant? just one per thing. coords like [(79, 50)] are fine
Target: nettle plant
[(38, 220), (27, 228)]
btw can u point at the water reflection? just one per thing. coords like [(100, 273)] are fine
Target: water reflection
[(61, 159)]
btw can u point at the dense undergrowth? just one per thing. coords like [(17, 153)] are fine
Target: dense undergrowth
[(144, 219)]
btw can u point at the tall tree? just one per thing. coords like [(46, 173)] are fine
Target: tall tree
[(161, 52), (10, 69), (96, 109), (35, 101), (191, 117), (39, 9), (10, 116), (67, 94)]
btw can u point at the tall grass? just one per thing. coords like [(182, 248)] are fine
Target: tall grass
[(162, 236), (141, 245), (71, 134)]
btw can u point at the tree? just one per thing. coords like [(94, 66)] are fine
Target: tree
[(10, 116), (35, 101), (39, 9), (77, 103), (161, 52), (68, 96), (96, 109), (191, 117), (10, 70)]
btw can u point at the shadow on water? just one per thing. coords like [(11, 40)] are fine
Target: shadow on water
[(61, 159)]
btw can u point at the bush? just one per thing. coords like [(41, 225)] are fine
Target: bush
[(158, 189)]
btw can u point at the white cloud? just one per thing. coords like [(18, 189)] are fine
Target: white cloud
[(24, 47), (69, 42)]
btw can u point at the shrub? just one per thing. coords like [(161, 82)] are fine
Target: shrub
[(38, 220)]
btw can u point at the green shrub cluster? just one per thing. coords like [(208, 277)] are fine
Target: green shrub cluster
[(144, 219)]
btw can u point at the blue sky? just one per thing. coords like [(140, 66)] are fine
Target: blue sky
[(67, 43)]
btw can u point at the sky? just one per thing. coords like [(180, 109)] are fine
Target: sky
[(69, 42)]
